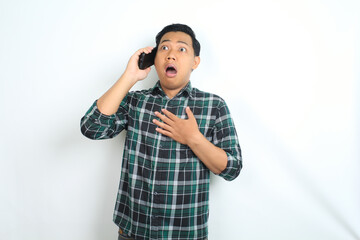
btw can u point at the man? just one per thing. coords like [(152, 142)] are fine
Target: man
[(176, 135)]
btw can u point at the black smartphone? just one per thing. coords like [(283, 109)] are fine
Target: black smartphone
[(147, 60)]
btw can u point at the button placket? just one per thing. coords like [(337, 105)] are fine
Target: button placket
[(155, 217)]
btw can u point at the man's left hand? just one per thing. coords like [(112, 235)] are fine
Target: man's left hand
[(181, 130)]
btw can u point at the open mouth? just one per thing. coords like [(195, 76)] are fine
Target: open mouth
[(171, 70)]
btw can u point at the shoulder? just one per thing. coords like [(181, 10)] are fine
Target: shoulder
[(212, 102), (138, 95), (210, 98)]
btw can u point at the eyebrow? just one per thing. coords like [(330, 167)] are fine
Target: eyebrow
[(168, 40)]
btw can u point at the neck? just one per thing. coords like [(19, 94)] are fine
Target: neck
[(171, 93)]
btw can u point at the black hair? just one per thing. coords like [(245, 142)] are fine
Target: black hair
[(180, 28)]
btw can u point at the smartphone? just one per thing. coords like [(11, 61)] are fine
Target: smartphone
[(147, 60)]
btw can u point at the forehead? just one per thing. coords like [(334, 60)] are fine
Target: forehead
[(177, 37)]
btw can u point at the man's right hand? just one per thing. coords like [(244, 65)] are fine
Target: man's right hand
[(132, 70)]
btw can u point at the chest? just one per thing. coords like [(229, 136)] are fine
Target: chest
[(142, 113)]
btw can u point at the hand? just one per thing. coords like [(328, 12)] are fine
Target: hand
[(132, 70), (181, 130), (186, 131)]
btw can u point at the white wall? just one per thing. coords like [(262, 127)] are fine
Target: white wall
[(289, 71)]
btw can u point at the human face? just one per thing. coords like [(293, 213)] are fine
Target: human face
[(174, 62)]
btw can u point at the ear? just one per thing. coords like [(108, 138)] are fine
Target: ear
[(196, 62)]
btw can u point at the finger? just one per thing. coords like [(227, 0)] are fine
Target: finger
[(148, 50), (145, 50), (162, 125), (152, 49), (169, 114), (163, 118), (189, 113), (164, 132), (147, 70)]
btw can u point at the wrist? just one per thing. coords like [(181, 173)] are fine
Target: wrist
[(195, 140), (129, 78)]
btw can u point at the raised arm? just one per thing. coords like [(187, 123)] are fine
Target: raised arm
[(109, 103), (100, 121)]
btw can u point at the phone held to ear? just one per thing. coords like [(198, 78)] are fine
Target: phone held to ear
[(147, 60)]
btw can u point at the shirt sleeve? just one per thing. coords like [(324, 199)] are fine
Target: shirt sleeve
[(225, 137), (95, 125)]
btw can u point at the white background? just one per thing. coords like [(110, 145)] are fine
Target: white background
[(288, 69)]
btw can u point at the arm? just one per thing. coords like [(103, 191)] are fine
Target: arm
[(109, 103), (212, 156), (187, 132), (100, 121), (222, 156)]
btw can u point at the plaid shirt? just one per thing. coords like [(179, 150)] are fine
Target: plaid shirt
[(164, 187)]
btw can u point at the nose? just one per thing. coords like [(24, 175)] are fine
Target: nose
[(171, 56)]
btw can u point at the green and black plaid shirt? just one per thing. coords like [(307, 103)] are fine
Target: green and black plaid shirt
[(164, 187)]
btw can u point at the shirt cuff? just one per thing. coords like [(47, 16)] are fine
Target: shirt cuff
[(232, 169)]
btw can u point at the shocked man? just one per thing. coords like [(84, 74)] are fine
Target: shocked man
[(176, 135)]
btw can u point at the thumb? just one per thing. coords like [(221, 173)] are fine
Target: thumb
[(147, 70)]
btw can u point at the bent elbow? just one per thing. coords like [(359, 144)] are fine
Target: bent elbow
[(232, 170)]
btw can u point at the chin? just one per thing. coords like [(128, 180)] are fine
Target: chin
[(172, 83)]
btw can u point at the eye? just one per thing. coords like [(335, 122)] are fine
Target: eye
[(182, 49), (164, 48)]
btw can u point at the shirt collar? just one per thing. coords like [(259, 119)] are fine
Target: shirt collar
[(186, 90)]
